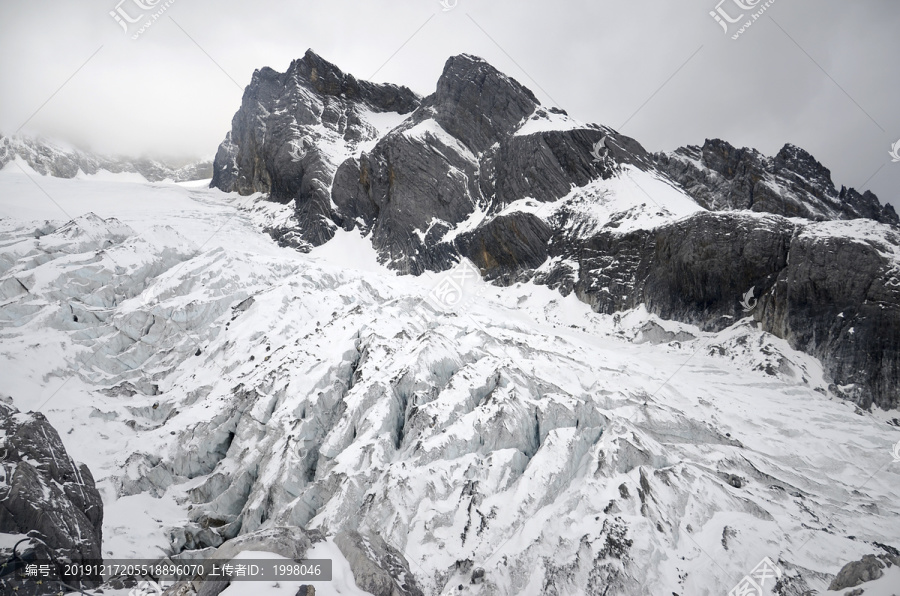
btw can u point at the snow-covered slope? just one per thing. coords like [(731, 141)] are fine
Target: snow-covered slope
[(506, 440)]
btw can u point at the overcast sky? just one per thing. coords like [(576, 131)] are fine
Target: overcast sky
[(822, 74)]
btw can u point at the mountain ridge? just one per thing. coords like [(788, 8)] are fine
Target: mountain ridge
[(49, 159), (479, 170)]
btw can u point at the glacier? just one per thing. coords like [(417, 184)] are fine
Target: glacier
[(218, 385)]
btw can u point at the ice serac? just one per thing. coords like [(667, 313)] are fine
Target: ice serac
[(292, 131), (48, 497), (520, 444), (793, 183)]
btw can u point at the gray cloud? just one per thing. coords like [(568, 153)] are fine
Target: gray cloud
[(601, 61)]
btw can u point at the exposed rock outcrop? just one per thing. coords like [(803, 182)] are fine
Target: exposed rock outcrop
[(295, 128), (377, 567), (869, 568), (47, 497), (793, 183)]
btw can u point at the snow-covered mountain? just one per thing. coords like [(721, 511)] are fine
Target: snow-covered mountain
[(480, 170), (499, 440), (53, 159), (460, 344)]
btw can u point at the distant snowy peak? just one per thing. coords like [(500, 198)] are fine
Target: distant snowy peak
[(51, 159), (792, 183)]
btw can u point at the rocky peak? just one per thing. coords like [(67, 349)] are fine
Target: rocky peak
[(799, 161), (720, 176), (478, 104), (326, 78), (48, 496), (480, 171), (295, 128)]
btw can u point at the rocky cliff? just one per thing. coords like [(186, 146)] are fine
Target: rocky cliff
[(793, 183), (480, 170), (293, 131), (47, 498)]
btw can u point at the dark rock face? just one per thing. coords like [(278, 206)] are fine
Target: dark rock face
[(400, 188), (378, 568), (47, 495), (696, 270), (693, 270), (793, 183), (477, 104), (869, 568), (292, 132), (49, 160), (507, 244), (546, 165), (839, 299), (458, 156), (480, 170)]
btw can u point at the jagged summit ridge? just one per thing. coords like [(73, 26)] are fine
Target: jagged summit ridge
[(295, 128), (480, 170), (478, 104), (793, 183)]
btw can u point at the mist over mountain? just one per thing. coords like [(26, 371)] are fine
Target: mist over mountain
[(51, 159)]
